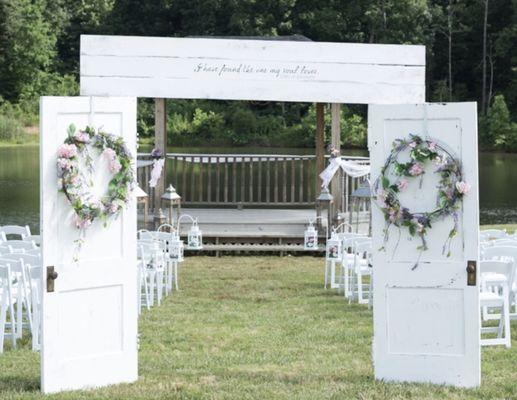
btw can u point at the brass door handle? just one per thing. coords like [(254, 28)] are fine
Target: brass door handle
[(51, 277), (471, 273)]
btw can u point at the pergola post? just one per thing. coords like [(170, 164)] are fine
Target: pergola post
[(320, 147), (160, 142), (335, 130)]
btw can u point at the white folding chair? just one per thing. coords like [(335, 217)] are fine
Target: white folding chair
[(331, 274), (362, 268), (155, 268), (165, 233), (347, 270), (491, 234), (18, 246), (23, 299), (36, 239), (496, 274), (503, 253), (19, 232), (7, 302), (143, 282), (35, 278), (3, 238)]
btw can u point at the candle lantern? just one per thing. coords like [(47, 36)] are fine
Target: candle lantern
[(176, 248), (171, 199), (334, 248), (311, 238), (324, 201), (195, 237)]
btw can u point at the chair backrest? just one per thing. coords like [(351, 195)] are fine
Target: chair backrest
[(14, 230), (494, 233), (28, 259), (36, 239), (17, 266), (144, 234), (504, 242), (505, 268), (501, 253), (21, 245)]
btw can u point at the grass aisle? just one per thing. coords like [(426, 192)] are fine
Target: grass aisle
[(258, 328)]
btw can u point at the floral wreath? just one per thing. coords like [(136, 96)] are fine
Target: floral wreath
[(451, 188), (77, 186)]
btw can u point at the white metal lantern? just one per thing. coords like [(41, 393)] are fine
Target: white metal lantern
[(311, 238), (334, 248), (176, 248), (195, 237)]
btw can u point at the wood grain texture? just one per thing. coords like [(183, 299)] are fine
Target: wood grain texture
[(252, 70)]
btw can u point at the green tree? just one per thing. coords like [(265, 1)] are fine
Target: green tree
[(497, 127), (27, 45)]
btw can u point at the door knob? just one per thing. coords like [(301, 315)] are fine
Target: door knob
[(471, 273), (51, 277)]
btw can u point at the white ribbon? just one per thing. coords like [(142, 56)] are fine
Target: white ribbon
[(156, 172), (351, 168)]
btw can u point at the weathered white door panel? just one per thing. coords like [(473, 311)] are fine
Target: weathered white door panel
[(89, 326), (426, 321)]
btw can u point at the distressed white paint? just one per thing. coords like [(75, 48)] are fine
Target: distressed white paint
[(89, 333), (426, 321), (225, 69)]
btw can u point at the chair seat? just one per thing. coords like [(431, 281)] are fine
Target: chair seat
[(492, 277), (490, 298)]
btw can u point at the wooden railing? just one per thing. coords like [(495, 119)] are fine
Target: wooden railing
[(243, 179)]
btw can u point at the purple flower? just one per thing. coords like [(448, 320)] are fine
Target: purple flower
[(156, 153), (432, 145)]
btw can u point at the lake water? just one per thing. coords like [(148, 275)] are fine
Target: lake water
[(19, 182)]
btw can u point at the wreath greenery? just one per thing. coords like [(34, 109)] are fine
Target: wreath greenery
[(450, 190), (76, 185)]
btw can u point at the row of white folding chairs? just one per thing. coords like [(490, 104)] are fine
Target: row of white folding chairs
[(20, 294), (494, 234), (158, 273), (355, 266), (496, 277)]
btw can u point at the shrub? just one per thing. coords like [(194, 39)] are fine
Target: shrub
[(497, 129), (11, 130)]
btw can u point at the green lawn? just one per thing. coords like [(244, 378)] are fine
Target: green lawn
[(259, 328)]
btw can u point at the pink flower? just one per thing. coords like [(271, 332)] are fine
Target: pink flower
[(67, 151), (113, 208), (109, 154), (402, 185), (416, 169), (64, 164), (82, 223), (82, 137), (462, 187), (432, 145), (115, 166), (412, 145), (393, 215), (381, 195)]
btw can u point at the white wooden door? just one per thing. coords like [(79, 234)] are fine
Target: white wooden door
[(89, 326), (426, 321)]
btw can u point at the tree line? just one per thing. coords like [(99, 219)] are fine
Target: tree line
[(470, 44)]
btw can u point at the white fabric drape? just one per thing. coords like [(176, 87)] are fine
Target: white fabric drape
[(355, 170), (156, 172)]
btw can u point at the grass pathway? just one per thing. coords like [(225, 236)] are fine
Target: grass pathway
[(258, 328)]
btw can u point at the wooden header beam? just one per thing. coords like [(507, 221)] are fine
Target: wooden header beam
[(229, 69)]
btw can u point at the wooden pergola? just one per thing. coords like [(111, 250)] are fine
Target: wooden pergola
[(160, 124)]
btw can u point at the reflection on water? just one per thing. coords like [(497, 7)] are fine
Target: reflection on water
[(19, 182)]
